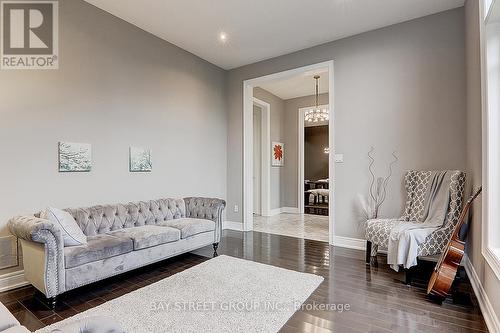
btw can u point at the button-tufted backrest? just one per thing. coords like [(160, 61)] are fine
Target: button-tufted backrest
[(416, 183), (102, 219)]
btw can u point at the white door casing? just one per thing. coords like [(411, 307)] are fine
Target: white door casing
[(257, 158), (248, 101)]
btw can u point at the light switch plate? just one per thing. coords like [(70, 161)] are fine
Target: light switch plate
[(339, 158)]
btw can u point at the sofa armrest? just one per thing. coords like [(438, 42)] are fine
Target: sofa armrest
[(34, 229), (98, 324), (44, 241), (207, 208)]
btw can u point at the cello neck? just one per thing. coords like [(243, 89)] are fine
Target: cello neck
[(464, 213)]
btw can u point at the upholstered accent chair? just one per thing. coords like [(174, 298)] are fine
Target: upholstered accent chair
[(378, 230)]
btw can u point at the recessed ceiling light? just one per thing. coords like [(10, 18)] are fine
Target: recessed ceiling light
[(222, 37)]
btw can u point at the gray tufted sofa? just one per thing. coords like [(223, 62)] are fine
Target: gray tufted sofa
[(120, 237), (9, 324)]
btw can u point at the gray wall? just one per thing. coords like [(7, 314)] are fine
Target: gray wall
[(277, 174), (117, 86), (315, 159), (474, 151), (398, 88), (292, 107)]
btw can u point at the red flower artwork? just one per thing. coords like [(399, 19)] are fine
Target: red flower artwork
[(278, 152)]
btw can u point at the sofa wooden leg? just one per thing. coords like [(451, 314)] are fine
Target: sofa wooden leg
[(215, 246), (51, 302), (54, 302), (368, 252)]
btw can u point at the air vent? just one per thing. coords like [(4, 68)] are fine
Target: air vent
[(8, 252)]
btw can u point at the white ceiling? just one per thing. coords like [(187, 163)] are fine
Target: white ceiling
[(262, 29), (298, 86)]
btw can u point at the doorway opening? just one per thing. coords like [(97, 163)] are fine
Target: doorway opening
[(313, 163), (273, 162)]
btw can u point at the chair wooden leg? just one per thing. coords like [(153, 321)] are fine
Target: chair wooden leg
[(368, 252), (408, 276)]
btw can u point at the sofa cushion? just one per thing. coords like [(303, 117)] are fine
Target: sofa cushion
[(189, 226), (92, 324), (98, 247), (148, 235)]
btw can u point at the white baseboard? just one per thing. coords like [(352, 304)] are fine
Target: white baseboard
[(281, 210), (350, 243), (230, 225), (12, 280), (489, 314), (290, 210), (275, 211)]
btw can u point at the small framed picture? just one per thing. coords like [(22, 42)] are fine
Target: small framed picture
[(140, 159), (75, 157), (278, 154)]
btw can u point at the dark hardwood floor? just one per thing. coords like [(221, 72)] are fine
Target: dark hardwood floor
[(379, 301)]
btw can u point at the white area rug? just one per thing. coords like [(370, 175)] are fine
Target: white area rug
[(223, 294)]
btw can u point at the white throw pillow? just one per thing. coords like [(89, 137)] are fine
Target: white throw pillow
[(71, 232)]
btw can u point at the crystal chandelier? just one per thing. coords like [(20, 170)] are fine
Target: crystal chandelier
[(317, 114)]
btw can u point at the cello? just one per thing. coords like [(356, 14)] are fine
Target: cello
[(446, 268)]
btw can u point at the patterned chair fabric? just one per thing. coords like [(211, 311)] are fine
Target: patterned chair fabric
[(378, 230)]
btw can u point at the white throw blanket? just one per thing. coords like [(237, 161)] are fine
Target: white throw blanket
[(406, 237)]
